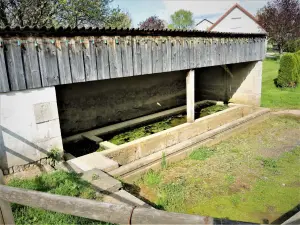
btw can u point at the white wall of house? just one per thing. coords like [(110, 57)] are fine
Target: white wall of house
[(204, 25), (29, 126), (238, 22)]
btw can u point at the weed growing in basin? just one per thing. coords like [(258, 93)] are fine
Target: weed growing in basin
[(202, 153), (58, 182), (268, 162), (229, 179), (163, 161), (55, 154), (152, 178), (172, 196)]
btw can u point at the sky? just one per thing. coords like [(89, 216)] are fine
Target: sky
[(140, 10)]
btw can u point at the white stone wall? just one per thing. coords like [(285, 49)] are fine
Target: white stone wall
[(248, 89), (29, 126), (238, 22)]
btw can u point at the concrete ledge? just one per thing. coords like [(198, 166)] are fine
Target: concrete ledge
[(145, 146), (107, 145), (181, 150), (101, 181), (94, 160)]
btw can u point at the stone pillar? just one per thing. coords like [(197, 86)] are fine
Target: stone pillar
[(190, 96), (245, 84), (29, 126)]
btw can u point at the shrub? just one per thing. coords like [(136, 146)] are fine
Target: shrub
[(289, 74), (292, 46)]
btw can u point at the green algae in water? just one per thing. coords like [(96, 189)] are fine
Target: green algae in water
[(147, 130), (162, 125)]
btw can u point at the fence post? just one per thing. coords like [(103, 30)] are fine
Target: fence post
[(6, 215)]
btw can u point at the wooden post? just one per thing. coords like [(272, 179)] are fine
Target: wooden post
[(6, 216), (190, 96)]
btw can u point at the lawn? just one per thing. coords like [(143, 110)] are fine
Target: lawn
[(253, 176), (61, 183), (273, 97)]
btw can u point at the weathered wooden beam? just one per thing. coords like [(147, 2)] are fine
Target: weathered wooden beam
[(31, 64), (127, 60), (4, 86), (115, 57), (102, 58), (6, 215), (76, 60), (96, 210), (146, 54), (89, 57), (48, 62), (63, 60), (15, 65)]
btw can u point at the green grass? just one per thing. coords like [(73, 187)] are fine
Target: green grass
[(202, 153), (61, 183), (273, 97), (253, 176)]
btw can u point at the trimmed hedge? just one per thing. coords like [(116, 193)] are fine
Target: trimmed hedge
[(289, 71)]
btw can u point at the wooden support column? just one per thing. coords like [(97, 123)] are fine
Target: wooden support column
[(190, 96), (6, 216)]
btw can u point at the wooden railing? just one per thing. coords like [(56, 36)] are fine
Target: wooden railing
[(91, 209)]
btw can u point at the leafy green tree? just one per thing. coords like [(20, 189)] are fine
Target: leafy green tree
[(28, 12), (83, 12), (118, 19), (182, 19)]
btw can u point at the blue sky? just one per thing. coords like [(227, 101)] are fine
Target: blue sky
[(139, 10)]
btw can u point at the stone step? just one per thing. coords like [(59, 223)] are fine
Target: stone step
[(122, 197), (94, 160), (101, 181)]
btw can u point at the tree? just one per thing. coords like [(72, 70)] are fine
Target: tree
[(118, 19), (27, 12), (182, 19), (76, 13), (153, 22), (281, 19)]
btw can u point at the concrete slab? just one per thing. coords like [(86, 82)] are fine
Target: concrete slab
[(107, 145), (94, 160), (101, 181), (92, 138), (68, 167), (124, 198)]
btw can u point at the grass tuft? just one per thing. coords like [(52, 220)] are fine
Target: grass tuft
[(61, 183), (152, 178), (202, 153)]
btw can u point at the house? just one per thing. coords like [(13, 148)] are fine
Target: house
[(237, 20), (203, 25)]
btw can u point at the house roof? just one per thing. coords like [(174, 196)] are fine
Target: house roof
[(229, 11), (204, 20)]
